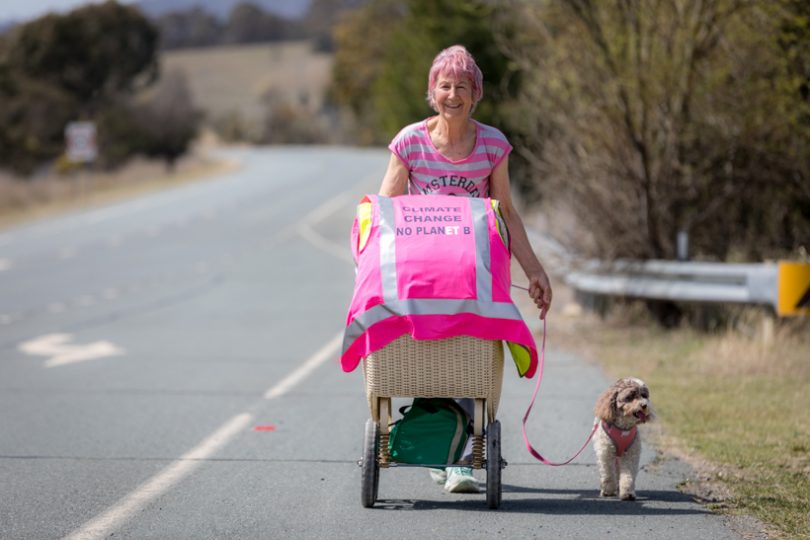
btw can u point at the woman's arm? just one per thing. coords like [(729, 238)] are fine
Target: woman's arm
[(395, 181), (539, 286)]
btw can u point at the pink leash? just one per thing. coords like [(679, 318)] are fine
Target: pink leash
[(529, 446)]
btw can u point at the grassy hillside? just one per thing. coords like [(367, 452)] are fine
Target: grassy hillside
[(239, 80)]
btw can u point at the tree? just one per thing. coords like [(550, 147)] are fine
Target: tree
[(428, 27), (81, 65), (646, 118), (191, 28), (384, 52), (33, 116), (167, 120), (94, 53), (248, 23), (361, 39), (322, 16)]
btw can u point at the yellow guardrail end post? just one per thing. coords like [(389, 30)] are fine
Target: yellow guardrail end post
[(793, 289)]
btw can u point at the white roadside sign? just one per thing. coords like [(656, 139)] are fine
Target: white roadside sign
[(81, 142)]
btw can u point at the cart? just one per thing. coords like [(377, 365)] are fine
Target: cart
[(458, 367)]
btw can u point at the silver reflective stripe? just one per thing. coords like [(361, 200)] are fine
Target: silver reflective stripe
[(483, 275), (388, 256), (427, 306), (482, 305)]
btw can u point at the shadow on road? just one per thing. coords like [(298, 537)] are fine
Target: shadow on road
[(562, 502)]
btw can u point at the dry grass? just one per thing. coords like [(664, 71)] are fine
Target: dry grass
[(23, 200), (235, 80), (735, 403)]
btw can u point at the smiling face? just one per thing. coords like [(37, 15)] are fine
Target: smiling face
[(453, 96)]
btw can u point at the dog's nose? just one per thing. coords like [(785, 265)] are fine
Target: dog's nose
[(643, 404)]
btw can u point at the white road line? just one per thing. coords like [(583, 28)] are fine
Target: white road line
[(60, 351), (102, 525), (327, 208), (91, 351), (114, 517), (341, 252), (314, 216), (118, 514), (327, 351), (305, 228)]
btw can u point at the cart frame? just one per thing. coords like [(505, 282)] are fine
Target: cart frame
[(458, 367)]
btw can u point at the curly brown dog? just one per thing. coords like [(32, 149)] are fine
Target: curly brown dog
[(617, 443)]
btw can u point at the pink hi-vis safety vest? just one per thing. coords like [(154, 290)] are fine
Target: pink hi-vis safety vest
[(434, 267)]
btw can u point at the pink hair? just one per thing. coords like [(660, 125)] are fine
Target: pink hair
[(457, 62)]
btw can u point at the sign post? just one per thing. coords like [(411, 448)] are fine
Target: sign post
[(81, 147)]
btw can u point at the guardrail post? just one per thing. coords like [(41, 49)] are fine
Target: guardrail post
[(682, 243), (595, 303)]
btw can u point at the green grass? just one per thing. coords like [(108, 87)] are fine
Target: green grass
[(734, 401)]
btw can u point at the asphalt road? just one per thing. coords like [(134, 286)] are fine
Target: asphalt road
[(168, 369)]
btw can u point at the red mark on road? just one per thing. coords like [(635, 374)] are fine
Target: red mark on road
[(269, 427)]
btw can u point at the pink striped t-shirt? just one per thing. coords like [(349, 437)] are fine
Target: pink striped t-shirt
[(431, 173)]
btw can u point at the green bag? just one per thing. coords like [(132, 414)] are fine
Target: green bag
[(432, 431)]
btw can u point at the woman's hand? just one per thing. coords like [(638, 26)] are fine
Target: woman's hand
[(540, 291)]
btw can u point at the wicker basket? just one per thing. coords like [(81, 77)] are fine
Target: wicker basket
[(458, 367)]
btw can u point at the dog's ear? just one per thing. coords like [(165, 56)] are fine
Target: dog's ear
[(605, 408)]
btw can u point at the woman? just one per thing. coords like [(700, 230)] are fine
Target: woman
[(452, 154)]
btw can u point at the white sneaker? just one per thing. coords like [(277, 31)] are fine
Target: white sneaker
[(460, 480), (438, 475)]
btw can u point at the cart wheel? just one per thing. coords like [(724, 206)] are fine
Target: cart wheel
[(494, 464), (370, 481)]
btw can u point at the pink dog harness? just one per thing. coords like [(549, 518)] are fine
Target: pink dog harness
[(622, 439), (434, 267)]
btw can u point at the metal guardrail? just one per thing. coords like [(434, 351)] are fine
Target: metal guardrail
[(783, 285), (680, 281)]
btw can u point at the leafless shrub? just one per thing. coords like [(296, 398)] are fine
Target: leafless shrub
[(290, 122), (646, 118)]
